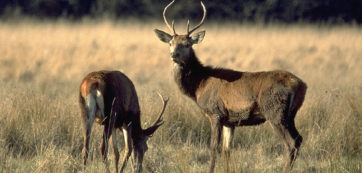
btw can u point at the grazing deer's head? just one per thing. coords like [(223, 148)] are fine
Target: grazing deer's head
[(181, 45), (140, 141)]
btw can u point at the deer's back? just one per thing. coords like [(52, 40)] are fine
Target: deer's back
[(112, 84), (242, 95)]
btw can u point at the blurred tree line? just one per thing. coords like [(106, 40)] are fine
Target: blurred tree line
[(288, 11)]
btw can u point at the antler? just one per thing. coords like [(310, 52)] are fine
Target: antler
[(202, 20), (149, 131), (164, 18), (164, 103)]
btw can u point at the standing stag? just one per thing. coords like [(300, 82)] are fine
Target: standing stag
[(109, 98), (232, 98)]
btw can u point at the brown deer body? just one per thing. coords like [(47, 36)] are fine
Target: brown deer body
[(110, 98), (231, 98)]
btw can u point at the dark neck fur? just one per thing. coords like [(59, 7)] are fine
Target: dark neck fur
[(189, 76)]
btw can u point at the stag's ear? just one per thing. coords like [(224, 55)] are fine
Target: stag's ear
[(163, 36), (198, 37)]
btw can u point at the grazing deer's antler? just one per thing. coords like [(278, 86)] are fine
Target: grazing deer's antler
[(149, 131), (164, 103)]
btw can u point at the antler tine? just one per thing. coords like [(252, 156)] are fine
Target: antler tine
[(164, 17), (202, 20), (164, 103), (173, 27), (150, 130)]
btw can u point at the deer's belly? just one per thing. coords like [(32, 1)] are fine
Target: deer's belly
[(234, 117), (244, 117)]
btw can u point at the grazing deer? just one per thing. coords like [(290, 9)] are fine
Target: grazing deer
[(109, 98), (232, 98)]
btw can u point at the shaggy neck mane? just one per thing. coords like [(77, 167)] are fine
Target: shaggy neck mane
[(188, 77)]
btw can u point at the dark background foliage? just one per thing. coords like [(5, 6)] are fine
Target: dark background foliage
[(286, 11)]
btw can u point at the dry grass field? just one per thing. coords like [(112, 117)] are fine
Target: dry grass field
[(43, 63)]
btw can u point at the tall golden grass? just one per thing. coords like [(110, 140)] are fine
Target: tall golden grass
[(43, 63)]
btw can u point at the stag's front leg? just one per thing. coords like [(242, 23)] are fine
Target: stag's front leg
[(227, 133), (215, 139)]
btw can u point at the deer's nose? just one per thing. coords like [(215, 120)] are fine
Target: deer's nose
[(175, 54)]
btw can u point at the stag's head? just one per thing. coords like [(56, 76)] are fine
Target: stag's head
[(181, 45), (140, 141)]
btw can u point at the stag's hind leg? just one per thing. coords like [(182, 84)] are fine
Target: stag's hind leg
[(279, 108), (292, 141), (283, 124)]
